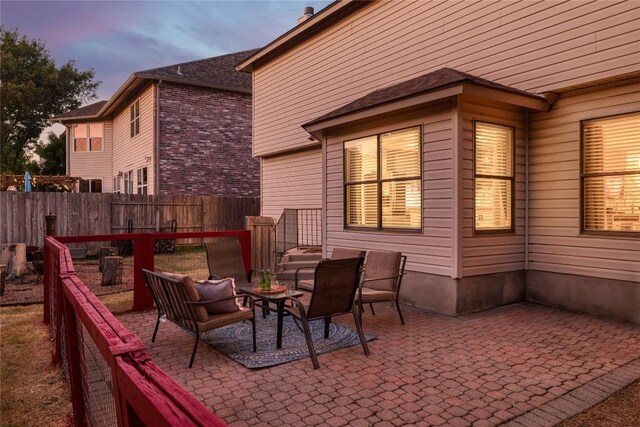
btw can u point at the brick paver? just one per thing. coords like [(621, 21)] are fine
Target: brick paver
[(522, 364)]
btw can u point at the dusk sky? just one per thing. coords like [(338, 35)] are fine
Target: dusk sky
[(117, 38)]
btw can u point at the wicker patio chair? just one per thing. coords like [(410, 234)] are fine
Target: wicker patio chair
[(336, 282), (337, 253), (177, 299), (381, 279)]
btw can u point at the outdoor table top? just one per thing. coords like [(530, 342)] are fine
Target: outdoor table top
[(275, 296)]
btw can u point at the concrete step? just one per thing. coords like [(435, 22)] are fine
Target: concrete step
[(290, 274), (294, 265), (304, 257)]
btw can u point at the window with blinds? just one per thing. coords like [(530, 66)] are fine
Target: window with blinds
[(611, 174), (383, 180), (494, 177)]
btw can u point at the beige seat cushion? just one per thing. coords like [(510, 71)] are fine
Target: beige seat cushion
[(224, 319), (374, 295)]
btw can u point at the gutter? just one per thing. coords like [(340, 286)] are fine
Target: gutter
[(526, 189)]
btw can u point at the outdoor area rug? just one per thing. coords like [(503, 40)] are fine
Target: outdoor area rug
[(235, 341)]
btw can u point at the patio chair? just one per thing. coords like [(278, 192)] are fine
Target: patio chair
[(381, 279), (224, 259), (337, 253), (177, 299), (336, 282)]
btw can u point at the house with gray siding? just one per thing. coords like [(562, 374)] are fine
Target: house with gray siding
[(496, 144), (179, 129)]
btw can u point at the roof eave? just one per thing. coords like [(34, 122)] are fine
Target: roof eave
[(132, 84), (318, 22), (75, 118), (533, 102), (192, 83)]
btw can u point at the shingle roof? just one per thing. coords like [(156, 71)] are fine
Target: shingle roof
[(87, 110), (217, 72), (438, 79)]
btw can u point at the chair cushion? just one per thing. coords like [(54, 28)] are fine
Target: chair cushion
[(374, 295), (216, 290), (305, 285), (191, 291), (223, 319)]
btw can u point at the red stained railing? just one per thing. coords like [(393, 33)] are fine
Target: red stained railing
[(110, 373)]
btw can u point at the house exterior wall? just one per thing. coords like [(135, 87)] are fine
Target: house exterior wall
[(92, 164), (291, 181), (431, 250), (205, 142), (556, 243), (535, 46), (131, 154)]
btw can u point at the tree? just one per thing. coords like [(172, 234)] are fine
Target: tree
[(52, 156), (33, 90)]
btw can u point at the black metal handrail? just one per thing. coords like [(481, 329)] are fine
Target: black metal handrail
[(298, 228)]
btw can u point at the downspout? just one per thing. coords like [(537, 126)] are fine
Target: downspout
[(526, 189), (156, 142)]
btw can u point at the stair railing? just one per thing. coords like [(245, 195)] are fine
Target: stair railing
[(298, 228)]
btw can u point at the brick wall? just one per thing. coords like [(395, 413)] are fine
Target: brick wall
[(205, 142)]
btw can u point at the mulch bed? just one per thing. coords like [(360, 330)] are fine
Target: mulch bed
[(29, 288)]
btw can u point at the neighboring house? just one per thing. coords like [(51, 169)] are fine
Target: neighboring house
[(181, 129), (497, 144)]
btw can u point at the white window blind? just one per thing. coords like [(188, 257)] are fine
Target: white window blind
[(383, 183), (611, 173), (494, 177)]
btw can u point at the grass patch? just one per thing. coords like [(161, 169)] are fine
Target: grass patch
[(189, 261), (118, 303), (34, 392)]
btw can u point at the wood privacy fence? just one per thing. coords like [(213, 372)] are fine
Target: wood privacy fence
[(22, 215)]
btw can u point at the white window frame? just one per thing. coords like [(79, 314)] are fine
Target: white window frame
[(128, 182), (90, 181), (88, 138), (143, 181), (134, 115)]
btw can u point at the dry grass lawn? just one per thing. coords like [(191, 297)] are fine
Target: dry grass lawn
[(32, 391)]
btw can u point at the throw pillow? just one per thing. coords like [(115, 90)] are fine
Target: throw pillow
[(216, 290)]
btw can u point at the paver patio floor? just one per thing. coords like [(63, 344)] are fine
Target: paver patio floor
[(522, 364)]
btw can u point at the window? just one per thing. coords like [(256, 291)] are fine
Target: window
[(128, 182), (142, 181), (116, 184), (383, 181), (610, 178), (493, 177), (90, 186), (135, 118), (87, 137)]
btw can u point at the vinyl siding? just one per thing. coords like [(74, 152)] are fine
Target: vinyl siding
[(430, 251), (485, 254), (130, 154), (556, 243), (291, 181), (537, 46), (93, 164)]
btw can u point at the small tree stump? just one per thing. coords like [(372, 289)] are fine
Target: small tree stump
[(14, 256), (111, 271), (106, 251)]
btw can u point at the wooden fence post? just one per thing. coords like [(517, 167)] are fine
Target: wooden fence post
[(263, 241), (143, 257)]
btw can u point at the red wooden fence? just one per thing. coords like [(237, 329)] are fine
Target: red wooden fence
[(88, 336)]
